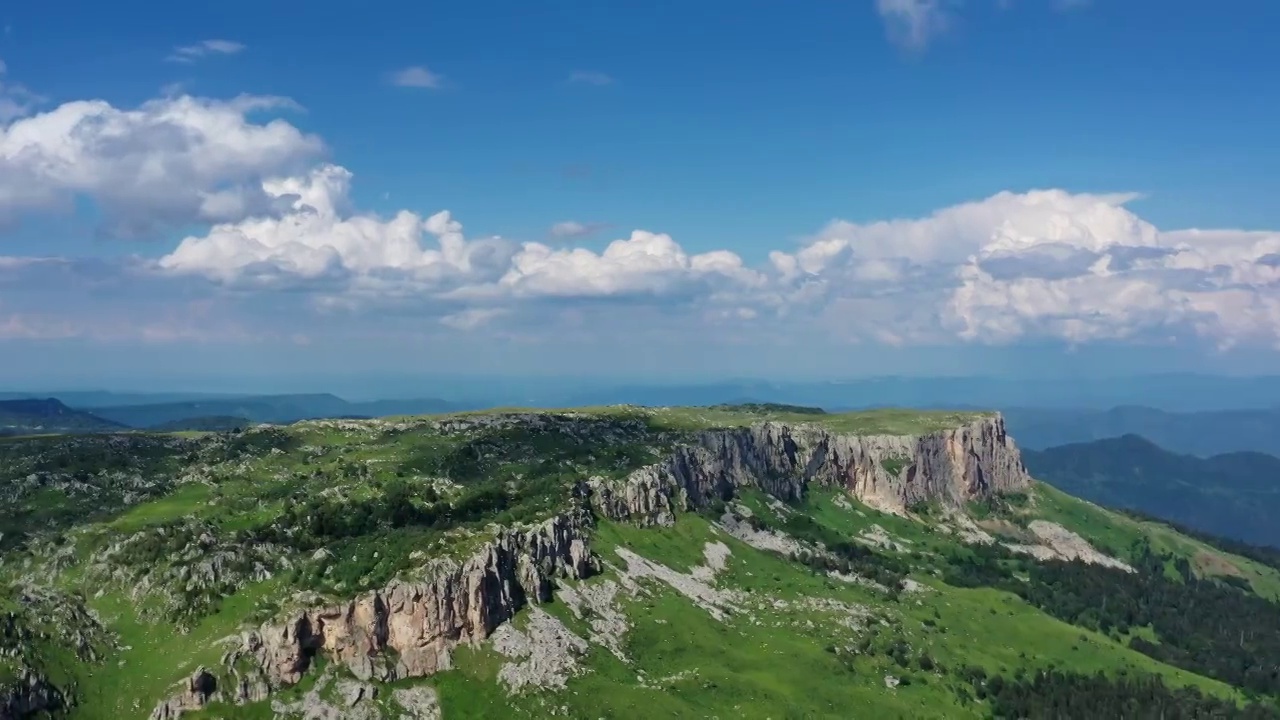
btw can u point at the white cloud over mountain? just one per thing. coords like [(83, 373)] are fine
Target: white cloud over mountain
[(279, 221)]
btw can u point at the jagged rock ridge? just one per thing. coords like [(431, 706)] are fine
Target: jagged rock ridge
[(885, 471), (420, 622)]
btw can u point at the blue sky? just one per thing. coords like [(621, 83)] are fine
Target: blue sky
[(755, 145)]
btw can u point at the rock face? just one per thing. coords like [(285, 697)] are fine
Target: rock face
[(196, 691), (885, 471), (420, 623), (28, 695)]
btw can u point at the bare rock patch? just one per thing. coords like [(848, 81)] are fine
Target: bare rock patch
[(598, 603), (544, 654), (696, 585)]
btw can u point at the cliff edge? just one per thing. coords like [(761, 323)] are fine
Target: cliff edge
[(887, 472)]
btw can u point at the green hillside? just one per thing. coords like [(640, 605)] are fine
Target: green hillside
[(1236, 495), (135, 564)]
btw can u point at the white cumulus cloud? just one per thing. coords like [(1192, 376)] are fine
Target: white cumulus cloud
[(169, 162), (1040, 264), (321, 239), (1046, 264), (271, 215)]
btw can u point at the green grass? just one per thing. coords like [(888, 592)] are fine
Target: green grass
[(130, 683), (184, 501), (778, 663), (758, 664), (884, 421), (1118, 534), (890, 421), (821, 505), (779, 668)]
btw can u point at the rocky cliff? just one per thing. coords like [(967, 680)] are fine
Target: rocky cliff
[(30, 694), (419, 623), (888, 472)]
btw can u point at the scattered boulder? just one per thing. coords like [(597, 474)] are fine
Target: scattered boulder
[(196, 692)]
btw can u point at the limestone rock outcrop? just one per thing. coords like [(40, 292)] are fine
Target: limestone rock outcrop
[(888, 472), (420, 622), (196, 691)]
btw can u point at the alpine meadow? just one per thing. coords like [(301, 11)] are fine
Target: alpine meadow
[(730, 561)]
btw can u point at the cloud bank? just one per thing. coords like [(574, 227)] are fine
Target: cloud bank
[(167, 163), (281, 243)]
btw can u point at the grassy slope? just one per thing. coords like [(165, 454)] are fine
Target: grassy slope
[(764, 666), (1117, 533), (772, 664)]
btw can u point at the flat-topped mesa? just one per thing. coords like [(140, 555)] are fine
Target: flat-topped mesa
[(889, 472), (419, 622)]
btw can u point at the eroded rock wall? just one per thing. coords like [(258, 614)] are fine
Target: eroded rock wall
[(885, 471), (408, 629), (30, 694)]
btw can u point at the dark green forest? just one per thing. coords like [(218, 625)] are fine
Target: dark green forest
[(1210, 627), (1235, 495)]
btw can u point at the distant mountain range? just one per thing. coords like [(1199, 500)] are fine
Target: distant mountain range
[(106, 398), (1174, 392), (40, 415), (1036, 427), (48, 415), (204, 423), (1181, 392), (1204, 433), (1234, 495), (269, 409)]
